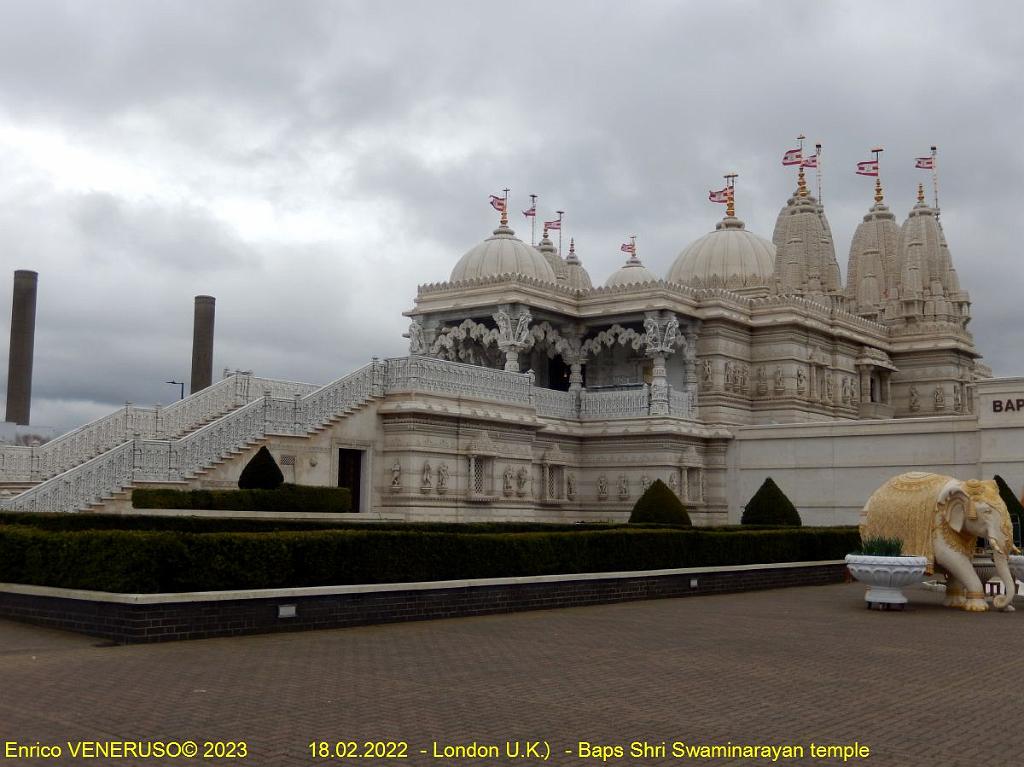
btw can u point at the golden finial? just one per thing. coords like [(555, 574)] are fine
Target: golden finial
[(920, 194), (730, 201), (878, 190), (572, 246), (504, 210), (801, 182)]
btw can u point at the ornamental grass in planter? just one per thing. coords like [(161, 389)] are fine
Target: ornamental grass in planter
[(880, 565)]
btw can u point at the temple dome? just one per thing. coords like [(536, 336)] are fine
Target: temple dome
[(503, 253), (576, 275), (729, 257), (630, 273)]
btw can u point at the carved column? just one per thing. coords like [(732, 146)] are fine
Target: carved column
[(660, 341), (513, 334), (690, 356)]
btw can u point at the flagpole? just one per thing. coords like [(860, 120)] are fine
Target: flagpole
[(730, 203), (533, 219), (935, 178), (504, 213), (817, 167), (878, 178), (800, 165), (560, 214)]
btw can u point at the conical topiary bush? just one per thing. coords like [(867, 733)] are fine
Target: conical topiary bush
[(261, 473), (660, 505), (770, 506)]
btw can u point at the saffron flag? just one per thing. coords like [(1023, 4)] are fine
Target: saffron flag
[(556, 224), (867, 168), (498, 203), (628, 247), (722, 195), (810, 162), (531, 213), (925, 163), (793, 157)]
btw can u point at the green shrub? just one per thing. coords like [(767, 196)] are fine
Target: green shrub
[(659, 505), (1013, 505), (770, 506), (135, 561), (288, 498), (261, 473), (881, 547)]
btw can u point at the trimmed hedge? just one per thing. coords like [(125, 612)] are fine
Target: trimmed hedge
[(288, 498), (659, 505), (136, 561), (770, 506), (261, 473)]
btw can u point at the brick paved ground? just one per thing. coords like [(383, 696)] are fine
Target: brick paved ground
[(788, 666)]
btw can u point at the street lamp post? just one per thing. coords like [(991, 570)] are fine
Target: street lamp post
[(181, 384)]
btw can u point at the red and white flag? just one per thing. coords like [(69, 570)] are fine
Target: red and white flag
[(556, 224), (722, 195), (628, 247), (867, 168), (498, 203), (531, 213), (925, 163), (810, 162), (793, 157)]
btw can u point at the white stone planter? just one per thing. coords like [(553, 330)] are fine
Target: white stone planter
[(885, 576)]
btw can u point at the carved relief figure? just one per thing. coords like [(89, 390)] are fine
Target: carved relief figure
[(958, 399), (828, 387), (645, 482), (801, 380), (744, 375), (508, 478), (707, 374), (442, 478), (623, 486), (728, 376), (427, 475), (396, 475), (845, 390), (915, 399), (780, 384), (570, 486), (762, 381), (522, 477), (940, 398), (941, 518), (602, 487), (673, 481), (854, 391)]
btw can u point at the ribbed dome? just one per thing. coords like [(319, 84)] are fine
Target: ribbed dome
[(632, 272), (729, 257), (503, 253), (576, 276)]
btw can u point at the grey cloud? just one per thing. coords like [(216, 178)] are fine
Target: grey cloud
[(412, 113)]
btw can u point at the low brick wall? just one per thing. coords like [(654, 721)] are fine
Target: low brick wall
[(131, 618)]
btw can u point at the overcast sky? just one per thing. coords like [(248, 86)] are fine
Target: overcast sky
[(310, 163)]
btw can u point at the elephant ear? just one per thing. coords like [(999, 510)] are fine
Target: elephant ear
[(956, 505)]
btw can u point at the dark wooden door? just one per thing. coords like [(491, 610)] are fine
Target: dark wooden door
[(350, 466)]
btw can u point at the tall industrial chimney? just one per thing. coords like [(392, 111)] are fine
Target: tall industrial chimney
[(23, 331), (202, 343)]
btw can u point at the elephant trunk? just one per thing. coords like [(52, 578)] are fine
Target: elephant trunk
[(1009, 583)]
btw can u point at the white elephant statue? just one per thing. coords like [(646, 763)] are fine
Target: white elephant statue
[(941, 518)]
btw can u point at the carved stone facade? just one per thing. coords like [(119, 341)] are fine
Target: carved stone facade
[(529, 393)]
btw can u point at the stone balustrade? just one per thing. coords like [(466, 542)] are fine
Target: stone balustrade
[(154, 458)]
